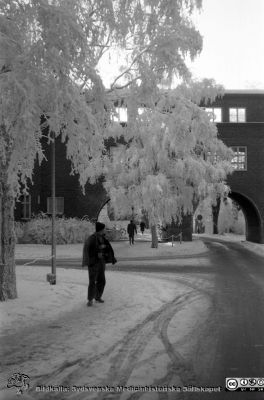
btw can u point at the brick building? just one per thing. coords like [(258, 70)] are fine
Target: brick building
[(241, 126), (240, 119)]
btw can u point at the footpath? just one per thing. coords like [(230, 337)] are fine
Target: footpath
[(70, 255), (141, 250)]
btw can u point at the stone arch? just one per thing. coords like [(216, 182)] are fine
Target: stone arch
[(254, 228), (101, 207)]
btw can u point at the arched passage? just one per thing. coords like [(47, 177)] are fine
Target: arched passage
[(101, 207), (254, 231)]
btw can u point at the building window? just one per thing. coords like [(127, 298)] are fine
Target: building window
[(59, 205), (215, 114), (213, 158), (26, 206), (237, 115), (239, 162)]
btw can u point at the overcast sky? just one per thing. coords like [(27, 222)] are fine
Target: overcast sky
[(233, 47)]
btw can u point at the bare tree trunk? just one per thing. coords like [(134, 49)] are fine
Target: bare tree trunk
[(7, 245), (154, 237), (215, 213)]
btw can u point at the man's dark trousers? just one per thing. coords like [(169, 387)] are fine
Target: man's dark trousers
[(131, 239), (96, 280)]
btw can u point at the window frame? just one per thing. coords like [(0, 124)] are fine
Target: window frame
[(211, 110), (237, 115), (26, 206), (236, 150)]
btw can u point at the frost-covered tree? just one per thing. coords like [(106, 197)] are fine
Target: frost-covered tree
[(231, 218), (49, 52), (172, 158)]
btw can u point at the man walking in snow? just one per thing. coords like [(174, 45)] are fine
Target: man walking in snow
[(142, 226), (97, 251), (131, 230)]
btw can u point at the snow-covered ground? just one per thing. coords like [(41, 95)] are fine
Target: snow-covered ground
[(127, 339), (142, 248), (122, 249), (36, 296), (133, 302)]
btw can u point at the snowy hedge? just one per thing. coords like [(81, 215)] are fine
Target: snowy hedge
[(38, 230), (116, 233), (68, 230)]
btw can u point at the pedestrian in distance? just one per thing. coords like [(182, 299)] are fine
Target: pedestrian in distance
[(131, 230), (142, 226), (97, 251)]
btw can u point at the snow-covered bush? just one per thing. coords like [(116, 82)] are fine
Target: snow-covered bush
[(116, 233), (239, 226), (38, 230), (68, 230), (231, 218)]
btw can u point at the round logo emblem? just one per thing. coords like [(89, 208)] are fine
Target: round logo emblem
[(231, 384), (243, 382)]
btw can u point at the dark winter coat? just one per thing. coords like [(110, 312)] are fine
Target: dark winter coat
[(91, 251), (131, 229), (142, 226)]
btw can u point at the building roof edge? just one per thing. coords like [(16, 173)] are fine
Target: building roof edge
[(244, 91)]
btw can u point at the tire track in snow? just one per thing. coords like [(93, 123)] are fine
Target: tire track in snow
[(127, 358), (178, 365), (124, 355)]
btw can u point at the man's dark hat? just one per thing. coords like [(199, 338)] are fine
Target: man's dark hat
[(99, 226)]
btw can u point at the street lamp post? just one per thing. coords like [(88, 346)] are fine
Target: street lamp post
[(51, 278), (133, 213)]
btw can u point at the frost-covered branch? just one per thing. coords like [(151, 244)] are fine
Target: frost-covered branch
[(129, 67)]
